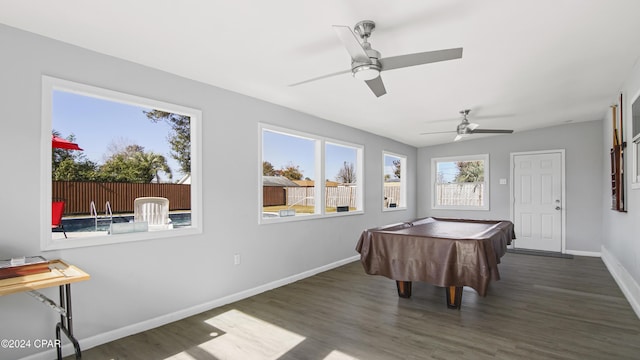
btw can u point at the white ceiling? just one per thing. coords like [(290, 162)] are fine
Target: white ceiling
[(526, 63)]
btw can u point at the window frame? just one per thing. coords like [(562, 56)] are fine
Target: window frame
[(486, 190), (635, 143), (49, 84), (403, 180), (319, 174), (635, 175)]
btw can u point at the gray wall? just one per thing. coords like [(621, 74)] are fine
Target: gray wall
[(584, 167), (145, 283), (621, 233)]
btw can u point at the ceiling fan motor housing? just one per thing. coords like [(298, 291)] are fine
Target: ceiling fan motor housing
[(463, 128)]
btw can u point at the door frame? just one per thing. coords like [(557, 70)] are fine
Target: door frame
[(563, 202)]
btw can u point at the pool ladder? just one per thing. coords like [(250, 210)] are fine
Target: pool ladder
[(106, 219)]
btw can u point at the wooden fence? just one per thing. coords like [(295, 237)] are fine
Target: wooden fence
[(334, 196), (463, 194), (79, 194), (392, 195), (274, 196), (337, 195)]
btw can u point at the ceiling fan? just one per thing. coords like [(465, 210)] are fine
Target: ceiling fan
[(367, 63), (465, 128)]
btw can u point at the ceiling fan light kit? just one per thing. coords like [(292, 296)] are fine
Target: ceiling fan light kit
[(366, 72), (367, 63)]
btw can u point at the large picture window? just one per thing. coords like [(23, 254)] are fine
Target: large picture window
[(305, 176), (117, 167), (461, 182), (394, 181)]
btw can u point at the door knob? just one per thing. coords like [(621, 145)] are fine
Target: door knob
[(558, 207)]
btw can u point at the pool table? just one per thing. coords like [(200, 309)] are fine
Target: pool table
[(450, 253)]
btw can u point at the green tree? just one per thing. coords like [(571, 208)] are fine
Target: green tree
[(347, 173), (179, 138), (133, 164), (268, 169), (291, 172), (120, 168), (71, 165), (71, 170), (470, 171), (397, 168)]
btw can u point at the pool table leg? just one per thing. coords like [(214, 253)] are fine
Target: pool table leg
[(404, 288), (454, 297)]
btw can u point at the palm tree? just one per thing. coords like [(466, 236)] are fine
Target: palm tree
[(152, 164)]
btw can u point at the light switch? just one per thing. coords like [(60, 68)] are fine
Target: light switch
[(503, 181)]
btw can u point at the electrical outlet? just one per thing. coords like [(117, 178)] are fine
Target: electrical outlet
[(236, 259)]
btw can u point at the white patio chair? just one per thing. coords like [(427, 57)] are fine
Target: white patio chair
[(153, 210)]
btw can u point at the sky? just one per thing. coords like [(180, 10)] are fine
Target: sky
[(448, 169), (98, 123), (281, 150), (389, 167)]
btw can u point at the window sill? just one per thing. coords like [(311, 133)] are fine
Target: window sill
[(280, 220), (394, 209), (48, 244), (484, 208)]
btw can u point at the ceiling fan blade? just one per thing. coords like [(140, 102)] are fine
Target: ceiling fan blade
[(321, 77), (377, 86), (491, 131), (350, 41), (402, 61), (437, 132)]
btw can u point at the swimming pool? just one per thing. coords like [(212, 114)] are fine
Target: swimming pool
[(87, 224)]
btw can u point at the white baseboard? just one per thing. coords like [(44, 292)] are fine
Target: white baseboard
[(583, 253), (112, 335), (627, 284)]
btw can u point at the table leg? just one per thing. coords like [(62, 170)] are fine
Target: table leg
[(66, 322), (454, 297), (404, 288)]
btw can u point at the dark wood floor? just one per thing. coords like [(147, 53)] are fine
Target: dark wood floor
[(543, 308)]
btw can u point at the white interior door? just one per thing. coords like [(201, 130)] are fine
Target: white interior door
[(538, 200)]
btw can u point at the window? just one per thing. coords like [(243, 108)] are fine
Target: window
[(289, 175), (394, 181), (460, 182), (297, 168), (128, 148), (343, 176)]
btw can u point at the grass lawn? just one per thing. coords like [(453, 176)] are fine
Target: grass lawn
[(300, 209)]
